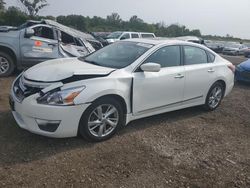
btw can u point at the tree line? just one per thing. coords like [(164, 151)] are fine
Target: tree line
[(15, 16)]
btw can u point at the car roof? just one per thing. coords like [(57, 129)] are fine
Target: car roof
[(160, 40)]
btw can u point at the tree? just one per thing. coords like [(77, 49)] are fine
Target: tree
[(114, 18), (33, 7), (2, 3)]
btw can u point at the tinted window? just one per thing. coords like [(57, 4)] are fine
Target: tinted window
[(147, 35), (194, 55), (43, 32), (134, 35), (168, 56)]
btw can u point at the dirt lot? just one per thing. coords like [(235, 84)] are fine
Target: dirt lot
[(186, 148)]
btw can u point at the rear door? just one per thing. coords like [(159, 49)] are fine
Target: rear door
[(200, 73), (40, 47)]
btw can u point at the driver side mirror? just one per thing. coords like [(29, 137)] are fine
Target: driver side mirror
[(151, 67), (29, 32)]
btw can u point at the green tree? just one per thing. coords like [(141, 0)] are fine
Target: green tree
[(33, 7)]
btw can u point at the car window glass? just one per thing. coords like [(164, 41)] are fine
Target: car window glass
[(211, 57), (194, 55), (134, 35), (125, 36), (147, 36), (168, 56), (44, 32)]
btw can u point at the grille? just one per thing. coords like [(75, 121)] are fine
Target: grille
[(22, 91)]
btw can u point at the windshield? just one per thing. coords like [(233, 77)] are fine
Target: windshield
[(117, 55), (114, 35)]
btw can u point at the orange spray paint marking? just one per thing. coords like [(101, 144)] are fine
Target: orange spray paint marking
[(38, 43)]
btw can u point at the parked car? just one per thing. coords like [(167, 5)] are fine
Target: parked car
[(96, 95), (101, 37), (234, 49), (122, 35), (216, 46), (247, 50), (242, 72), (193, 39), (37, 41)]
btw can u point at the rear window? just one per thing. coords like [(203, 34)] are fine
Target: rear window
[(211, 57), (134, 35)]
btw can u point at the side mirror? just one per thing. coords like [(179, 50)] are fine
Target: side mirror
[(151, 67), (29, 32)]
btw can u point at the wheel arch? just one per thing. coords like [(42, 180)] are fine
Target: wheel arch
[(10, 52)]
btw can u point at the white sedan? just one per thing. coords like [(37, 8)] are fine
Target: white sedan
[(96, 95)]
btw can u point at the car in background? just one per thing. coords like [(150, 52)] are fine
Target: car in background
[(247, 51), (193, 39), (232, 48), (242, 72), (101, 37), (96, 95), (122, 35), (37, 41), (216, 46)]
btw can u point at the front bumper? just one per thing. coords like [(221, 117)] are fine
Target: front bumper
[(28, 112)]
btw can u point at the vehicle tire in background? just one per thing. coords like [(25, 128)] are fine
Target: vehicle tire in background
[(7, 65), (214, 96), (101, 120)]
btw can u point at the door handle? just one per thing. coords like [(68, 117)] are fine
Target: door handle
[(179, 76), (210, 70)]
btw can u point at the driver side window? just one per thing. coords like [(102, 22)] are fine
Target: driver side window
[(44, 32), (168, 56)]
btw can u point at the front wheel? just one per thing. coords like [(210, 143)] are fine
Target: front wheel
[(7, 65), (101, 120), (214, 96)]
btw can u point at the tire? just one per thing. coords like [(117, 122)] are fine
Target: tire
[(213, 100), (7, 65), (98, 121)]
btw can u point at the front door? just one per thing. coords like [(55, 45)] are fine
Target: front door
[(40, 47), (155, 90)]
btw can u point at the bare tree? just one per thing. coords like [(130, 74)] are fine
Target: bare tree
[(34, 6), (2, 3)]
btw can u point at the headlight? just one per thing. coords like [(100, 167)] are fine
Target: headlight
[(60, 97)]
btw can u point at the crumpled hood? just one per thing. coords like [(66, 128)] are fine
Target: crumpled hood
[(245, 65), (59, 69)]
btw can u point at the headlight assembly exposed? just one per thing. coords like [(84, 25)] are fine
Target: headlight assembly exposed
[(60, 97)]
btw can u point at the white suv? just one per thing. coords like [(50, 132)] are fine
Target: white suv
[(96, 95), (120, 35)]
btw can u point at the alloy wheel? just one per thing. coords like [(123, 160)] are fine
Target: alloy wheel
[(103, 120), (4, 65), (215, 97)]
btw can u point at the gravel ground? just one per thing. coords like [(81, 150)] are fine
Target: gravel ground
[(185, 148)]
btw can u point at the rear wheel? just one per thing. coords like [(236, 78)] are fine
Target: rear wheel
[(101, 120), (7, 65), (214, 96)]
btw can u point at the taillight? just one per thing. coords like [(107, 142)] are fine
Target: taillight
[(231, 67)]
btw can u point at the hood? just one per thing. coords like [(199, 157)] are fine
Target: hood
[(60, 69), (245, 65)]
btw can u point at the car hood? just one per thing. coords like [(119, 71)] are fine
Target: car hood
[(60, 69), (245, 65)]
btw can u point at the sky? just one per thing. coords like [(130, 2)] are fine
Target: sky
[(216, 17)]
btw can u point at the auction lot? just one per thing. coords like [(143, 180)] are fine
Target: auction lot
[(185, 148)]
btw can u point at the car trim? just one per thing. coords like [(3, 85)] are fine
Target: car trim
[(165, 106)]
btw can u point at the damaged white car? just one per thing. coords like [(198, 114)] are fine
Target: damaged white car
[(96, 95)]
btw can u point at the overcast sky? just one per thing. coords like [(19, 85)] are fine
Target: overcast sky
[(216, 17)]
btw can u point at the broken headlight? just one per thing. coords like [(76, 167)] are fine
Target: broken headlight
[(60, 97)]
